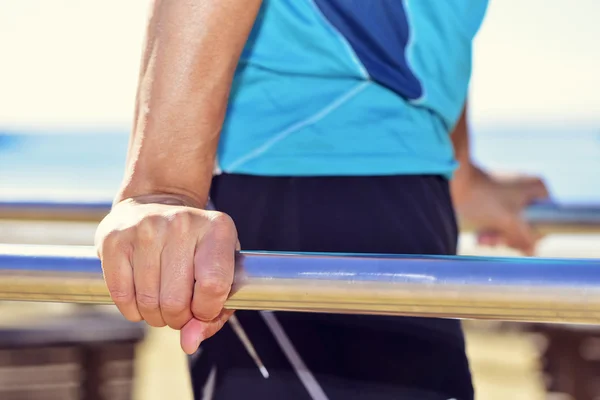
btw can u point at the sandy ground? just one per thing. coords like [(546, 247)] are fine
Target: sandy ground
[(505, 365)]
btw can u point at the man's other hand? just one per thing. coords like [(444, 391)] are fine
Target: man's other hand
[(494, 207), (169, 264)]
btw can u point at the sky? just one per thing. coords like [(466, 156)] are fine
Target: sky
[(73, 62), (538, 60)]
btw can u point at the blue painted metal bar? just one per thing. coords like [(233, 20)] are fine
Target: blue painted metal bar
[(55, 210), (549, 216), (537, 212), (552, 213), (519, 289), (91, 206)]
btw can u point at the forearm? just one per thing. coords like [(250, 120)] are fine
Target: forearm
[(466, 172), (191, 52), (460, 140)]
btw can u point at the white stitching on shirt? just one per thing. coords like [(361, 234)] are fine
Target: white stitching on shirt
[(361, 68), (338, 102)]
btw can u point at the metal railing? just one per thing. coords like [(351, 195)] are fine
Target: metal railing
[(512, 289), (548, 217), (54, 210)]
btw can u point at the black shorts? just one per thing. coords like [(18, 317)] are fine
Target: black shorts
[(329, 356)]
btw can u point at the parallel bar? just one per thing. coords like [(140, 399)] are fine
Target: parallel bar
[(547, 217), (544, 213), (53, 210), (518, 289)]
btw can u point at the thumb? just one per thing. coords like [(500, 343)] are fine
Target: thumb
[(489, 238), (194, 332), (518, 234)]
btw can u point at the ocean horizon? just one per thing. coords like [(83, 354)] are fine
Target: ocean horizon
[(86, 162)]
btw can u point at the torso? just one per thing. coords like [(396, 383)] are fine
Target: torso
[(350, 87)]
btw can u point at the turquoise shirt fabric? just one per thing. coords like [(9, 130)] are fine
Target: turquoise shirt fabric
[(350, 87)]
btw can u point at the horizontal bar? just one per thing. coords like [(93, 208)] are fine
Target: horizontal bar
[(514, 289), (547, 217), (54, 210), (557, 213)]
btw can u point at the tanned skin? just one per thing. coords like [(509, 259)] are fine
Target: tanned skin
[(166, 260), (491, 205)]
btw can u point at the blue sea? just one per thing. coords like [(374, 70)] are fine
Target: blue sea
[(87, 164)]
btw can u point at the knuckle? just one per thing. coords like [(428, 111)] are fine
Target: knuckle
[(204, 313), (216, 285), (174, 305), (181, 221), (110, 258), (113, 240), (147, 301), (223, 226), (149, 228), (121, 296)]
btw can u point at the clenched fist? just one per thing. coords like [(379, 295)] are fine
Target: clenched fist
[(169, 264)]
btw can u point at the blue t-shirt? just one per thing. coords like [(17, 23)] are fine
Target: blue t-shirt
[(350, 87)]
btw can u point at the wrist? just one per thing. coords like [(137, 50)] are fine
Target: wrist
[(170, 183), (466, 169), (160, 195), (464, 177)]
